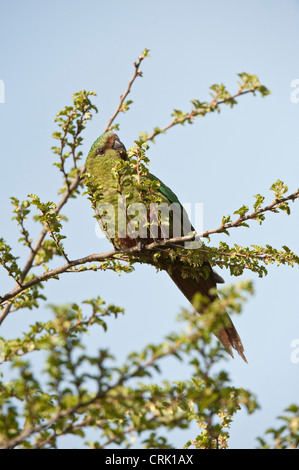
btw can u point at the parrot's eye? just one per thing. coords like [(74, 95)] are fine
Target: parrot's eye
[(100, 151)]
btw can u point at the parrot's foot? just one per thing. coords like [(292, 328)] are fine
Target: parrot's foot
[(141, 245)]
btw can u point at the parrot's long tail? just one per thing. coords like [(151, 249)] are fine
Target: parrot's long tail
[(228, 335)]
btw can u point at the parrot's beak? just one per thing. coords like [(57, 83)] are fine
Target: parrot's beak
[(119, 146)]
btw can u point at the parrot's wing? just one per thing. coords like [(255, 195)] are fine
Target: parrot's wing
[(181, 212), (180, 217)]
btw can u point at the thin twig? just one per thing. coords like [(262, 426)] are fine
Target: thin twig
[(137, 73), (11, 275), (62, 160), (198, 112), (25, 234), (57, 243), (75, 136), (271, 207)]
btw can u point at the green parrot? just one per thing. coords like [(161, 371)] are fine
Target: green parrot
[(105, 153)]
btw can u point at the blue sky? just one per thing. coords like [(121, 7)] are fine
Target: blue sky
[(49, 50)]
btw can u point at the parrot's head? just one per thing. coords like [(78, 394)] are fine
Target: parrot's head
[(108, 145)]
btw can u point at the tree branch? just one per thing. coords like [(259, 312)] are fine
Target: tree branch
[(198, 112), (154, 246), (270, 208), (72, 186), (137, 73), (124, 377), (221, 97)]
